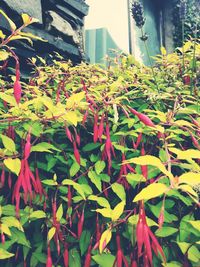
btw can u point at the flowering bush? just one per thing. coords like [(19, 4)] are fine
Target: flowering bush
[(100, 167)]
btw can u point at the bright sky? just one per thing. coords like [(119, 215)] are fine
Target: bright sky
[(111, 14)]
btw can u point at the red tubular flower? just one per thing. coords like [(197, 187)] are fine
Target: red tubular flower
[(140, 236), (80, 224), (144, 168), (147, 243), (76, 153), (108, 149), (195, 142), (2, 179), (134, 264), (139, 138), (9, 180), (161, 218), (66, 256), (85, 117), (17, 91), (87, 262), (27, 148), (101, 128), (68, 134), (143, 118), (49, 262), (95, 128), (3, 238)]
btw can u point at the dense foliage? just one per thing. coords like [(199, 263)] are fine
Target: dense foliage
[(191, 20), (100, 167)]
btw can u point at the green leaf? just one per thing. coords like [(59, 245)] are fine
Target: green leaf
[(74, 169), (14, 165), (99, 166), (5, 254), (151, 191), (91, 146), (104, 259), (44, 147), (8, 143), (118, 189), (95, 180), (49, 182), (19, 237), (51, 233), (84, 241), (59, 213), (193, 252), (76, 186), (166, 231), (173, 264), (195, 224), (12, 24), (74, 258), (118, 211), (8, 99), (38, 214), (100, 200), (11, 222)]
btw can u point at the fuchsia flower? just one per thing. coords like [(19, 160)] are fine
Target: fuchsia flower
[(124, 170), (146, 240), (17, 91), (66, 256), (120, 259), (49, 262), (143, 118), (108, 149)]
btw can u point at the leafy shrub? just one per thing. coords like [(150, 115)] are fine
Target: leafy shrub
[(101, 167)]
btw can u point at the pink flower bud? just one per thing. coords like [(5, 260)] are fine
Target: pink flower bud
[(17, 91)]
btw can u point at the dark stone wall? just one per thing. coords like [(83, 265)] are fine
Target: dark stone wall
[(61, 23)]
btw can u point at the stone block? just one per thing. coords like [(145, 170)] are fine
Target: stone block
[(31, 7), (62, 26)]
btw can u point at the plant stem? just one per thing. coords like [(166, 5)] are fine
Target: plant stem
[(150, 61), (183, 37)]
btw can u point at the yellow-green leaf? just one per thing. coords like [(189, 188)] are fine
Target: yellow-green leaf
[(163, 51), (188, 189), (151, 191), (59, 213), (118, 210), (186, 154), (12, 24), (39, 214), (195, 224), (2, 35), (5, 254), (150, 160), (105, 212), (105, 239), (14, 165), (190, 178), (28, 20), (5, 229), (8, 99), (8, 143), (51, 233), (4, 55)]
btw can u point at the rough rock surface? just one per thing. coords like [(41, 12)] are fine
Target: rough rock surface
[(60, 23)]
